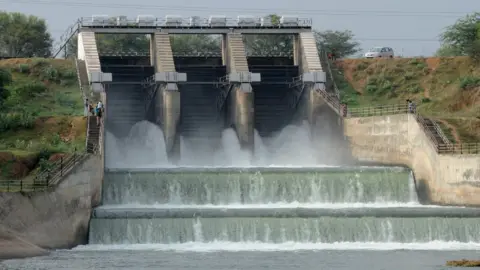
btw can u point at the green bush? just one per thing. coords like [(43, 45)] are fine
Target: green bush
[(5, 77), (362, 66), (50, 73), (414, 89), (469, 82), (25, 91), (68, 74), (409, 75), (15, 121), (23, 68)]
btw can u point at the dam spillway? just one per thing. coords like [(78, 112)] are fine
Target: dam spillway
[(246, 186), (273, 206)]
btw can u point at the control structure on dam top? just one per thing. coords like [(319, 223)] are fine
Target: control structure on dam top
[(180, 25), (193, 25)]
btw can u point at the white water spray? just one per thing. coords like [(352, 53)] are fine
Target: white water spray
[(144, 147)]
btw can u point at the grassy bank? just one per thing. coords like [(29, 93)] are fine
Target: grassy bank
[(445, 89), (41, 114)]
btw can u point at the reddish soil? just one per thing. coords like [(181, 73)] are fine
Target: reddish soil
[(16, 167)]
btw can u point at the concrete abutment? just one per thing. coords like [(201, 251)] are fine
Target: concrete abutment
[(400, 140)]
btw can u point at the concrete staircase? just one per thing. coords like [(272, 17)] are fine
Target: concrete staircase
[(437, 132), (82, 74), (236, 50), (90, 51), (163, 53), (311, 60), (271, 99), (93, 135)]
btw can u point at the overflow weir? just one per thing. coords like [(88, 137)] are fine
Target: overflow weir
[(187, 142), (272, 206)]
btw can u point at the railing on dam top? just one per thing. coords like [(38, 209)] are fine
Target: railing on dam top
[(377, 110), (50, 176)]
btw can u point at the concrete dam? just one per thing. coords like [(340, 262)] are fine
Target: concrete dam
[(237, 151), (206, 113)]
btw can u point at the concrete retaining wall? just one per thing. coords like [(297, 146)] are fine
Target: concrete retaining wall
[(53, 219), (400, 140)]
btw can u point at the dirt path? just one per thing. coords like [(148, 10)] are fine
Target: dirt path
[(432, 63), (345, 68), (455, 134), (426, 90)]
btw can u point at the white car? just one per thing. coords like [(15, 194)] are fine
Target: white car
[(380, 52)]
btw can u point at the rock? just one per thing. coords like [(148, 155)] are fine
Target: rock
[(464, 263), (12, 246)]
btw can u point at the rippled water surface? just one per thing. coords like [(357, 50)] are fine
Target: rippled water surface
[(251, 260)]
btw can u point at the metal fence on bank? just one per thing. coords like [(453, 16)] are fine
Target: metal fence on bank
[(49, 177)]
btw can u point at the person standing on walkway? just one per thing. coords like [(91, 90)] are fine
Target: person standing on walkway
[(99, 112), (86, 108)]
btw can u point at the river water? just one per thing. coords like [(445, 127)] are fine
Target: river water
[(251, 260)]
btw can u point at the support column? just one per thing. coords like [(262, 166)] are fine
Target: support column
[(152, 50), (241, 96), (225, 56), (243, 114), (297, 52), (167, 98)]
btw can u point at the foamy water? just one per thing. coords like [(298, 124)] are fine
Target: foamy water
[(144, 147), (287, 246), (275, 206)]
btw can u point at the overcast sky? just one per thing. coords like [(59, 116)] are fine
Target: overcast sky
[(411, 27)]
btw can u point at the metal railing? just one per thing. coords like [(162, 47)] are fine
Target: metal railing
[(47, 178), (331, 100), (377, 110), (89, 149), (440, 133), (323, 54)]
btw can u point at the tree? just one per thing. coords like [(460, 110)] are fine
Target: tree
[(340, 41), (269, 44), (121, 43), (186, 44), (113, 43), (23, 36), (5, 79), (447, 51), (463, 37)]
